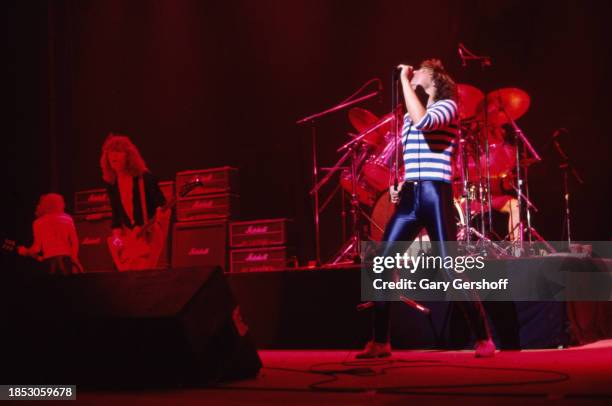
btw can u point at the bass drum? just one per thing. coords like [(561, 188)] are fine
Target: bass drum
[(384, 209)]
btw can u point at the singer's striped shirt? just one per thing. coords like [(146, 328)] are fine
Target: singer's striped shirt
[(429, 144)]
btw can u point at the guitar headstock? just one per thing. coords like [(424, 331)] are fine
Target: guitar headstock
[(188, 187)]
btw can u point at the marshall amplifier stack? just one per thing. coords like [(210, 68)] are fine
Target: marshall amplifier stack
[(93, 224), (93, 219), (260, 245), (97, 201), (91, 201), (217, 199), (93, 229), (200, 231)]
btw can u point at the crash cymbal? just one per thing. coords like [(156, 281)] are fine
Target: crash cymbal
[(470, 98), (504, 103), (363, 120)]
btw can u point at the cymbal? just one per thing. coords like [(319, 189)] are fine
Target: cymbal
[(470, 98), (363, 120), (501, 103)]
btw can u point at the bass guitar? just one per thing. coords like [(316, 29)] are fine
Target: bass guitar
[(140, 247), (11, 246)]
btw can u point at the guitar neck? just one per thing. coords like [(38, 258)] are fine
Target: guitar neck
[(169, 204)]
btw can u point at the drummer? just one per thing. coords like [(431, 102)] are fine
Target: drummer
[(503, 195), (502, 163)]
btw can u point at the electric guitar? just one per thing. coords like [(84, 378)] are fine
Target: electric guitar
[(141, 246), (11, 246)]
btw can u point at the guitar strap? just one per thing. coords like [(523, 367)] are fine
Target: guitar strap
[(143, 200)]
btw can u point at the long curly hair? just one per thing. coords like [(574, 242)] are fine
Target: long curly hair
[(445, 85), (135, 165), (50, 203)]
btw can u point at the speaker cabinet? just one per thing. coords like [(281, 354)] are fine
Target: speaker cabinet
[(199, 243), (93, 230), (134, 329)]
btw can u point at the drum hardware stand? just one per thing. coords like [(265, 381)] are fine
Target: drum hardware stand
[(351, 249), (566, 167), (336, 190), (522, 182), (484, 190), (343, 212), (331, 197), (485, 62), (467, 195), (467, 231), (462, 154), (315, 191), (529, 204), (351, 153)]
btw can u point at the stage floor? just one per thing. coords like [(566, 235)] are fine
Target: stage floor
[(574, 376)]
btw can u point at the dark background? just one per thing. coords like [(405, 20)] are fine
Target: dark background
[(200, 84)]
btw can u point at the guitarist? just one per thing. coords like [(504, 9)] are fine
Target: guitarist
[(135, 198), (55, 239)]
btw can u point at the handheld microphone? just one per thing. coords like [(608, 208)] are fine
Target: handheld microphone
[(396, 73)]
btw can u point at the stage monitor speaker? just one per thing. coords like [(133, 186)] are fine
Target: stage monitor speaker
[(199, 243), (134, 329)]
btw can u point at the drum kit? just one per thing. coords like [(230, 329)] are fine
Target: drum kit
[(489, 169)]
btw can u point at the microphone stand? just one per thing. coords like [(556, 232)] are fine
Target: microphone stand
[(566, 166), (312, 120)]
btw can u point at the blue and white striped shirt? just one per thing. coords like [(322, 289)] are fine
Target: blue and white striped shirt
[(429, 145)]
